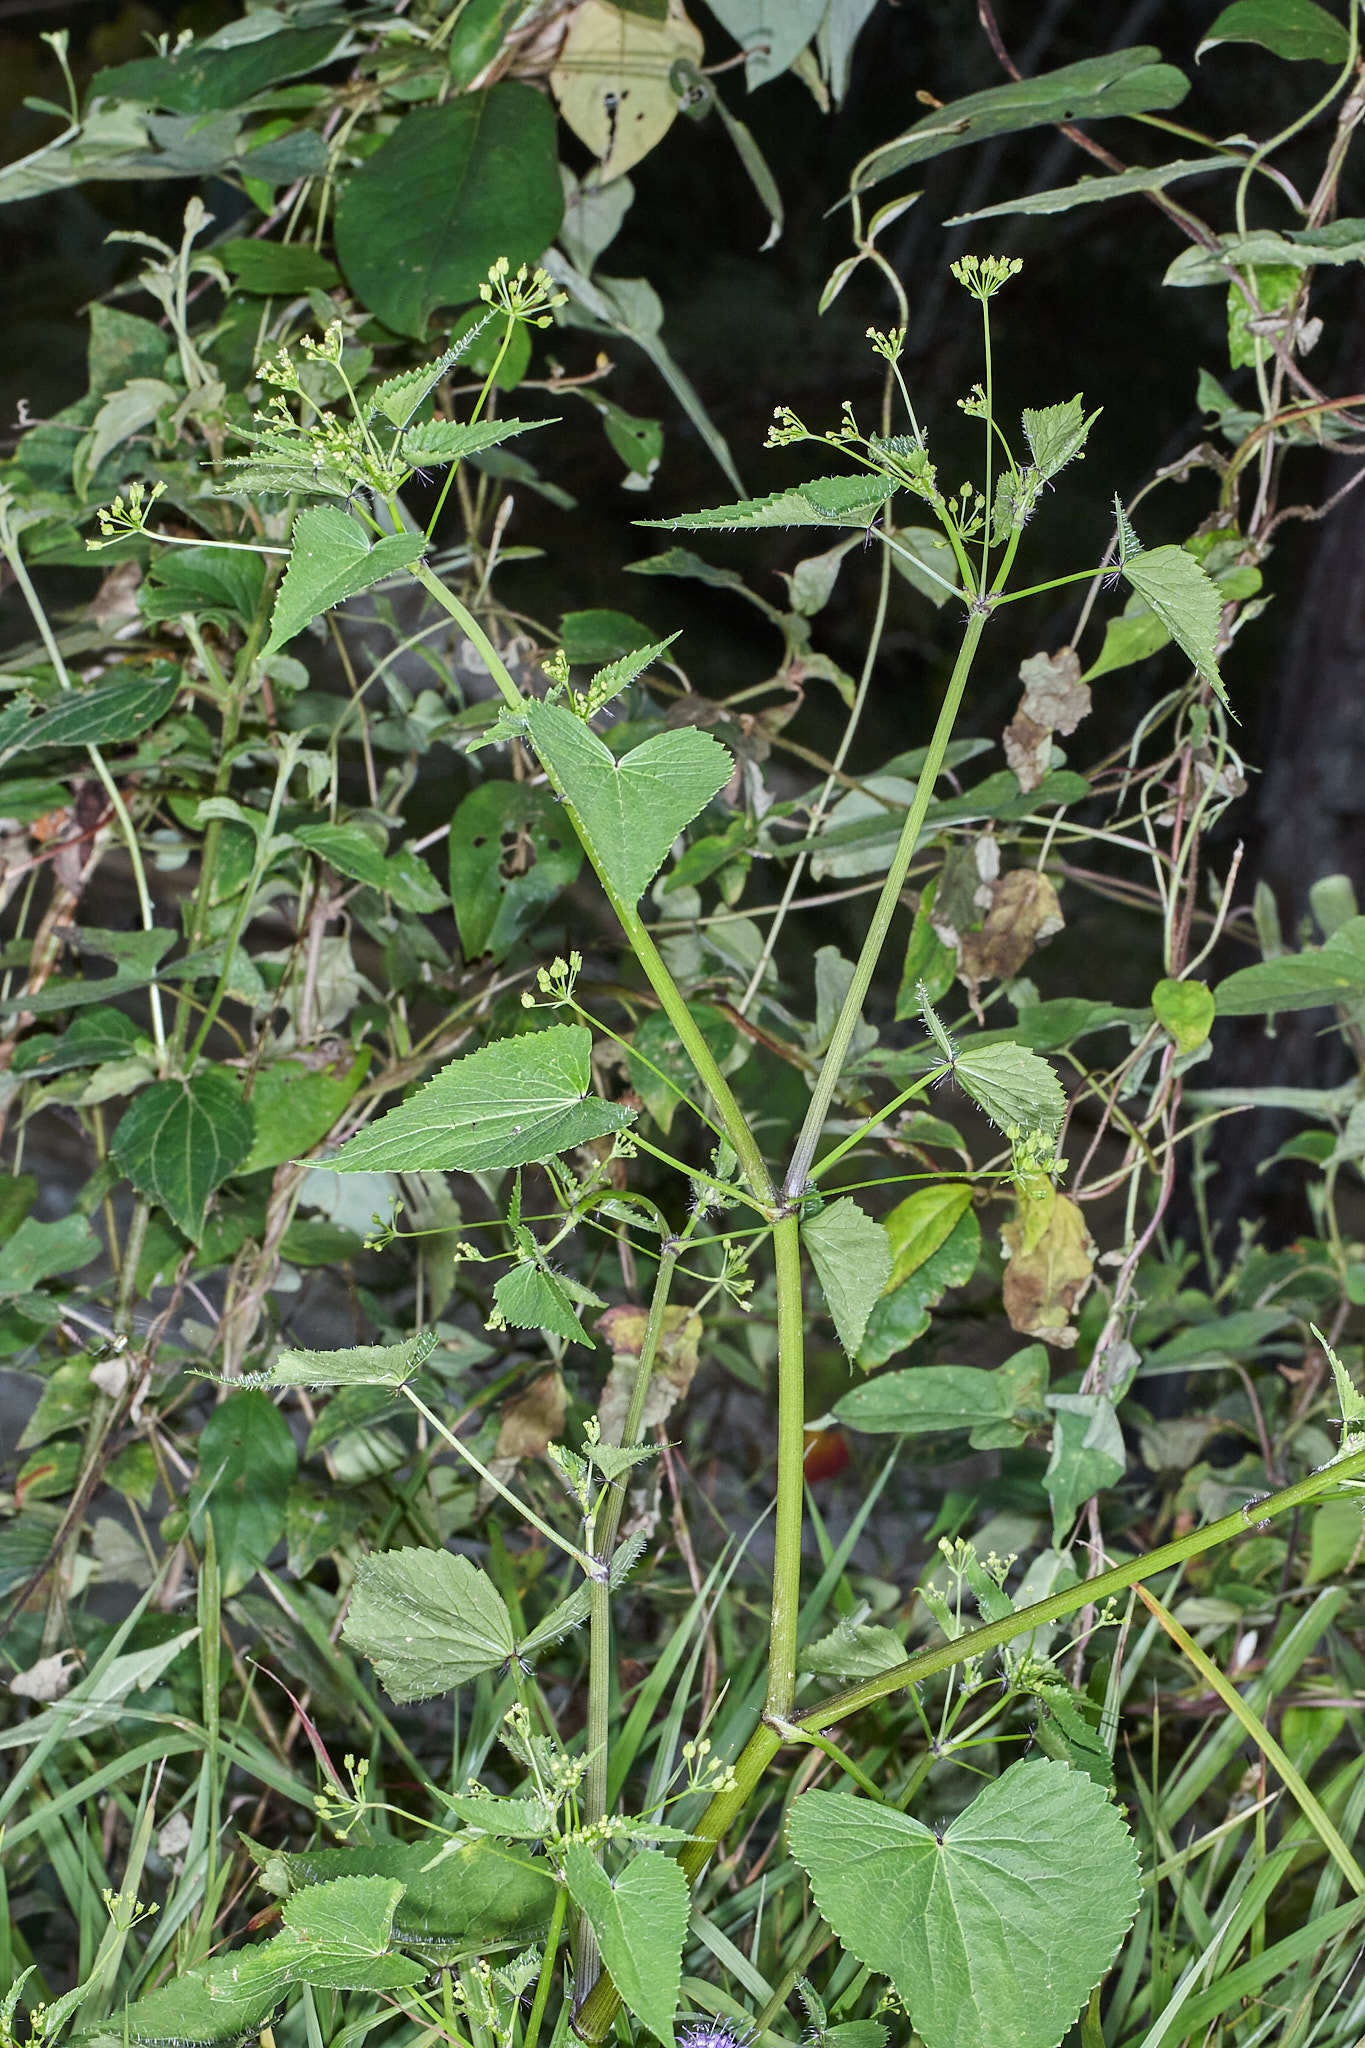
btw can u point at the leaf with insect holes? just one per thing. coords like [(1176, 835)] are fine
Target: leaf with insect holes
[(513, 1102), (428, 1621), (612, 80), (330, 560), (631, 810), (824, 501), (995, 1929), (511, 853)]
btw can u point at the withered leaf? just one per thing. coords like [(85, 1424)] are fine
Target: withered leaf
[(1054, 700), (1024, 911), (674, 1368), (1047, 1279)]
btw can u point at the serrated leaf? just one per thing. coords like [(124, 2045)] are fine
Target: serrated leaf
[(851, 1255), (1057, 434), (331, 559), (474, 1895), (1013, 1086), (574, 1609), (428, 1621), (336, 1937), (640, 1920), (824, 501), (609, 682), (999, 1931), (519, 1100), (399, 397), (632, 809), (853, 1652), (1132, 81), (438, 441), (111, 712), (363, 1365), (247, 1463), (1296, 29), (512, 852), (517, 1820), (916, 1227), (529, 1298), (179, 1140), (1173, 585)]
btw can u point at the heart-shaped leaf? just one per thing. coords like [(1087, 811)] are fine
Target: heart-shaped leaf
[(180, 1140), (633, 809), (427, 1621), (1186, 1010), (999, 1931), (640, 1919), (852, 1259), (331, 560)]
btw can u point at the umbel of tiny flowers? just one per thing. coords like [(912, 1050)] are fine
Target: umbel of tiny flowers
[(528, 295), (118, 520), (983, 276)]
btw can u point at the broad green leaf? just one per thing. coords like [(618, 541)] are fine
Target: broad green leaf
[(824, 501), (37, 1251), (1057, 434), (1013, 1086), (903, 1315), (276, 267), (1186, 1010), (661, 1070), (516, 1820), (640, 1920), (1088, 191), (1339, 242), (428, 1621), (330, 560), (853, 1652), (179, 1140), (1297, 29), (682, 562), (851, 1255), (364, 1365), (112, 711), (294, 1106), (1087, 1456), (453, 188), (923, 557), (512, 853), (1052, 1026), (221, 585), (247, 1463), (438, 441), (1187, 602), (632, 809), (351, 851), (518, 1100), (599, 635), (772, 32), (217, 74), (1124, 82), (203, 2006), (336, 1937), (1222, 1337), (67, 1398), (941, 1397), (123, 414), (1310, 980), (529, 1298), (996, 1933), (916, 1227), (471, 1896)]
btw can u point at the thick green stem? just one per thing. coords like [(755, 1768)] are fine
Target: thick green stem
[(822, 1095), (791, 1417), (596, 2016), (606, 1522)]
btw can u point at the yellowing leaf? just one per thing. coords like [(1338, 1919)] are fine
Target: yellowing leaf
[(1046, 1280), (612, 80)]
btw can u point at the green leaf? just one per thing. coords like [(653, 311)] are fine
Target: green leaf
[(336, 1937), (597, 635), (364, 1365), (399, 397), (1089, 191), (112, 711), (38, 1251), (476, 1895), (427, 1621), (1319, 975), (529, 1298), (1339, 242), (332, 559), (351, 851), (1297, 29), (853, 1652), (1013, 1086), (824, 501), (1124, 82), (607, 683), (247, 1463), (179, 1140), (438, 441), (210, 78), (518, 1100), (203, 2006), (903, 1315), (999, 1931), (851, 1255), (917, 1226), (1186, 1010), (661, 1070), (941, 1397), (452, 189), (511, 854), (286, 268), (1057, 434), (1186, 601), (927, 563), (640, 1920), (294, 1106), (221, 585), (1087, 1456), (773, 32), (631, 810)]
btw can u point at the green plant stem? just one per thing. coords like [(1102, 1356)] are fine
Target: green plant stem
[(887, 903), (595, 2017), (606, 1522), (547, 1968), (791, 1420), (289, 754), (528, 1514)]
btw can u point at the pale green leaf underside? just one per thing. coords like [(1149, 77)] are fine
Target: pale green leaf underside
[(365, 1365), (509, 1104), (332, 559), (824, 501), (851, 1255), (630, 810), (1089, 191), (1171, 582), (427, 1621), (999, 1932)]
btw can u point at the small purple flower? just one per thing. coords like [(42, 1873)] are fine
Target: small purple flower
[(712, 2034)]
